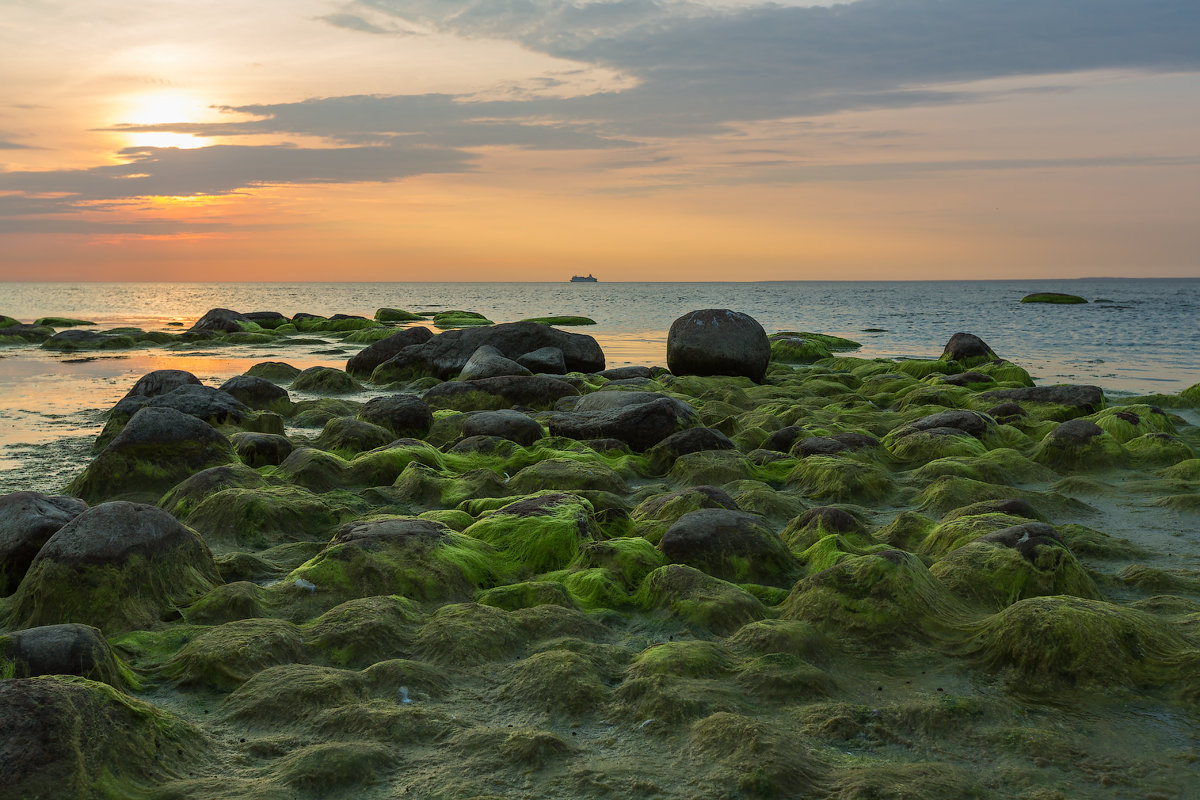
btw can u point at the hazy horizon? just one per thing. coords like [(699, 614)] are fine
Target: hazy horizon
[(683, 140)]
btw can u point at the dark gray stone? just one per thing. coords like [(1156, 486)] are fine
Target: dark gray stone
[(718, 341)]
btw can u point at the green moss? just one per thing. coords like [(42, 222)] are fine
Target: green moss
[(314, 469), (459, 319), (468, 633), (906, 531), (539, 533), (1044, 644), (653, 516), (229, 602), (450, 517), (993, 576), (710, 468), (325, 380), (1069, 455), (1006, 373), (1158, 450), (562, 320), (363, 631), (659, 702), (228, 655), (841, 479), (261, 518), (1085, 541), (383, 466), (760, 758), (920, 447), (560, 681), (830, 550), (781, 636), (1191, 394), (918, 368), (423, 487), (798, 350), (688, 658), (958, 531), (396, 315), (1054, 298), (878, 600), (368, 335), (449, 566), (59, 322), (568, 474), (347, 437), (1131, 421), (698, 599), (526, 595)]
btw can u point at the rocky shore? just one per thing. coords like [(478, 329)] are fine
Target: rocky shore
[(478, 563)]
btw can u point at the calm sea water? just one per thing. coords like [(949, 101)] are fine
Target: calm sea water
[(1137, 336)]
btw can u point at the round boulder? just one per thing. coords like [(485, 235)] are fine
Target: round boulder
[(731, 545), (505, 423), (258, 393), (27, 521), (402, 414), (717, 341), (118, 566), (68, 649)]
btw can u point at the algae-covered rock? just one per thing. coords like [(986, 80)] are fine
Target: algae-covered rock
[(1053, 298), (639, 419), (459, 319), (488, 362), (762, 759), (157, 449), (1044, 644), (260, 393), (539, 533), (223, 320), (424, 487), (275, 371), (366, 630), (325, 380), (710, 467), (117, 566), (261, 449), (262, 517), (841, 479), (967, 349), (730, 545), (72, 340), (67, 649), (506, 423), (1079, 445), (27, 521), (653, 516), (1058, 403), (698, 599), (228, 655), (469, 633), (503, 391), (547, 360), (560, 681), (187, 494), (402, 414), (414, 558), (568, 474), (1011, 564), (71, 737), (1124, 423), (395, 315), (878, 599), (347, 436)]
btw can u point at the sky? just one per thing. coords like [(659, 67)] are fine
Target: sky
[(508, 140)]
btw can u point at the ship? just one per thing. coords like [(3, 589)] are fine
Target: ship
[(583, 279)]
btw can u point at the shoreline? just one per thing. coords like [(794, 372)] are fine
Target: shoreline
[(843, 578)]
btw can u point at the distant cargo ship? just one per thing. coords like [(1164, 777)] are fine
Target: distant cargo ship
[(582, 279)]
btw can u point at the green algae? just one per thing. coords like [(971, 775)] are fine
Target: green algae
[(698, 599), (364, 631), (561, 320), (538, 533), (561, 681), (262, 518), (468, 633), (396, 315), (994, 576), (225, 657), (841, 479), (459, 319), (526, 594)]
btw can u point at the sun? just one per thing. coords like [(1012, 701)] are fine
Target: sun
[(162, 107)]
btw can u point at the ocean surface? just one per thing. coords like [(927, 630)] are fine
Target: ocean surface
[(1136, 336)]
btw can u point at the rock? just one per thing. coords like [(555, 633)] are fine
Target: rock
[(395, 315), (276, 371), (654, 516), (26, 333), (718, 341), (1055, 298), (189, 493), (267, 319), (348, 436), (222, 320), (261, 449), (829, 445), (459, 319), (259, 393), (118, 566), (61, 322), (782, 440), (730, 545), (445, 355), (161, 381), (544, 359), (70, 340), (402, 414), (488, 362), (641, 425), (66, 649), (625, 373), (75, 738), (1079, 444), (1075, 400), (970, 378), (692, 440), (967, 348), (325, 380), (969, 423), (363, 363), (506, 424), (505, 391), (697, 598), (27, 521), (540, 533), (158, 448)]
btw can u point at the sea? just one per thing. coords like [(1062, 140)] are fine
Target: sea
[(1133, 337)]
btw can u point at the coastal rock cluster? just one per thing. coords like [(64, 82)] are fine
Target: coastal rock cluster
[(479, 563)]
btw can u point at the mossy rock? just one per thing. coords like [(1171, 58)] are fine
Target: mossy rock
[(1080, 445), (60, 322), (526, 594), (228, 655), (1158, 450), (66, 649), (841, 479), (396, 315), (364, 631), (710, 467), (264, 517), (325, 380), (1053, 298), (1047, 644), (1000, 568), (653, 516), (538, 533), (459, 319), (798, 350), (561, 681), (415, 558), (424, 487), (468, 634), (158, 448), (689, 658), (72, 737), (957, 530), (568, 474), (313, 469), (274, 371), (117, 566), (878, 600), (382, 466), (562, 320), (789, 637), (730, 545), (698, 599), (347, 437), (229, 602), (762, 759), (320, 770)]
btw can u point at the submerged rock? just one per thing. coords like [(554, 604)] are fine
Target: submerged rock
[(1057, 298), (717, 341)]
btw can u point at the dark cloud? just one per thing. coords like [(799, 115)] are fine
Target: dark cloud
[(8, 144), (354, 22)]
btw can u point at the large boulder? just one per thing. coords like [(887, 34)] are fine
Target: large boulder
[(717, 341), (27, 521), (222, 320), (447, 353), (202, 402), (506, 424), (363, 363), (161, 381), (157, 449), (259, 393), (967, 348), (67, 649), (118, 566)]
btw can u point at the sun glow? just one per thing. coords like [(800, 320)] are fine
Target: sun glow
[(163, 107)]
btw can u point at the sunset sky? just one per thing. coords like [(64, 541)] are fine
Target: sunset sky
[(532, 139)]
